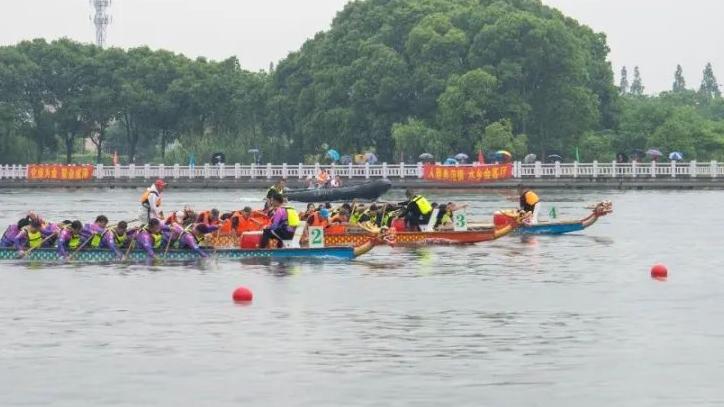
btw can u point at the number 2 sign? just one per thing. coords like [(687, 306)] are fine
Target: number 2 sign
[(316, 237)]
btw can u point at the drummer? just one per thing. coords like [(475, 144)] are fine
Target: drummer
[(529, 202)]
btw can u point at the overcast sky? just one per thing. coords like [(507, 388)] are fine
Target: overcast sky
[(654, 34)]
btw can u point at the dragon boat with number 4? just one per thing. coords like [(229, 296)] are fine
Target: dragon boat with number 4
[(354, 235), (598, 211)]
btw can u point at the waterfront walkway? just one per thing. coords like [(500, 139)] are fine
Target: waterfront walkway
[(691, 175)]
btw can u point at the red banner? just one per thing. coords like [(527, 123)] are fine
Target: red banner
[(59, 172), (467, 174)]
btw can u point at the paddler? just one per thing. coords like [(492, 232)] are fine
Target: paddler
[(151, 202), (193, 239), (529, 202), (70, 239), (209, 217), (418, 211), (371, 215), (279, 188), (285, 219), (151, 238), (8, 239), (244, 221), (95, 231), (32, 236), (319, 218), (116, 238)]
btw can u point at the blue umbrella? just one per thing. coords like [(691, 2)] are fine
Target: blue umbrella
[(333, 155), (676, 156), (451, 161)]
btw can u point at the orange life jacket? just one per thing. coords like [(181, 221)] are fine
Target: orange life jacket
[(315, 219), (144, 197)]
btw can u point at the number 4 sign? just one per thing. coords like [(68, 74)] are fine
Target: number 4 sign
[(316, 237), (460, 221)]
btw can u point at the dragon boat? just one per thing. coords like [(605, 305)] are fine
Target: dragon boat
[(354, 235), (139, 256), (599, 210)]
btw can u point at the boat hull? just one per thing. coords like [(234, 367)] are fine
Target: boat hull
[(107, 256), (369, 191), (551, 228)]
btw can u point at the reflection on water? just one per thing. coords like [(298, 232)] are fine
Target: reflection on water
[(525, 320)]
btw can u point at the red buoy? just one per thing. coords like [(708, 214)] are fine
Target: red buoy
[(659, 271), (243, 294)]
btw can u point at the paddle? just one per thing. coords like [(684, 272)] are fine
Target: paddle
[(84, 244), (42, 242)]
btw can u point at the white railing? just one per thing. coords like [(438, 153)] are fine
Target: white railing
[(399, 171)]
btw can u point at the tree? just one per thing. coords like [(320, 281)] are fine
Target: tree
[(623, 87), (637, 86), (679, 81), (414, 138), (499, 136), (709, 88)]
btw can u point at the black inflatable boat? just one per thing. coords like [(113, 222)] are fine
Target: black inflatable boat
[(368, 191)]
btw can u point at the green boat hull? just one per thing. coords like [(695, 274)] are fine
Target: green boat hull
[(139, 256)]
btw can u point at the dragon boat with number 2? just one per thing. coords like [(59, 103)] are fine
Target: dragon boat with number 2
[(355, 235)]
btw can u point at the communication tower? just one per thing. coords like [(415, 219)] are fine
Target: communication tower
[(101, 20)]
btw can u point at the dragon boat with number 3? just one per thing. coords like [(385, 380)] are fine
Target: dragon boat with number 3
[(48, 255)]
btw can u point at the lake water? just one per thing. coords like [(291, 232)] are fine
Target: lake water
[(548, 321)]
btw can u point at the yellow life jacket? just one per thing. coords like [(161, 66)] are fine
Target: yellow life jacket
[(354, 218), (422, 204), (531, 198), (35, 239), (96, 241), (144, 197), (157, 240), (74, 242), (120, 239), (292, 216), (446, 219)]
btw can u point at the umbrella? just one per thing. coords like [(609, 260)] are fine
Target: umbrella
[(427, 157), (345, 159), (654, 153), (637, 153), (554, 157), (676, 156), (530, 158), (462, 157), (504, 156), (451, 161), (371, 158), (333, 155)]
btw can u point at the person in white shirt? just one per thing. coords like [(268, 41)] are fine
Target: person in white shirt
[(151, 202)]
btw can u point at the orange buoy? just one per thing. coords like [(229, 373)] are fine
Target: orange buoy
[(659, 271), (243, 294)]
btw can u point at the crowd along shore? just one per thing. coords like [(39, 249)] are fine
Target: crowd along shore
[(653, 175)]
